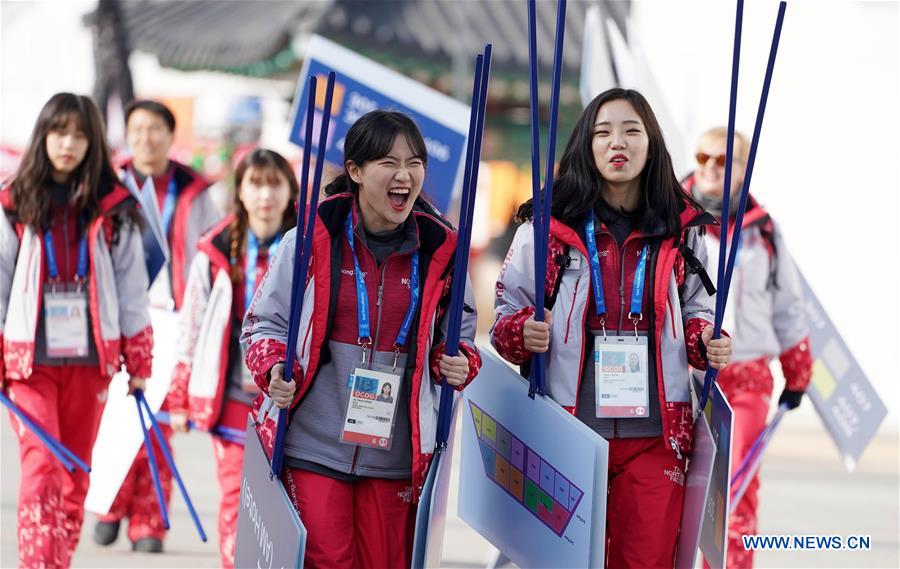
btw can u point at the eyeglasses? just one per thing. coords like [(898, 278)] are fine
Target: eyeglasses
[(703, 158)]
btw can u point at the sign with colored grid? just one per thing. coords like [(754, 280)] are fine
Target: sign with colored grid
[(532, 477)]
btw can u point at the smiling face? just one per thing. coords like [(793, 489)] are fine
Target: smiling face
[(710, 174), (620, 143), (66, 145), (150, 139), (388, 186)]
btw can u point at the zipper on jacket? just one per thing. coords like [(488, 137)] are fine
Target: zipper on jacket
[(675, 447), (378, 303), (64, 279)]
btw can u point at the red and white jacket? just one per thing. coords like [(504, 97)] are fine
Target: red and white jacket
[(265, 333), (765, 313), (199, 381), (117, 291), (195, 214), (681, 308)]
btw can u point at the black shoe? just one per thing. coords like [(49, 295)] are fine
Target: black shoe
[(148, 545), (106, 533)]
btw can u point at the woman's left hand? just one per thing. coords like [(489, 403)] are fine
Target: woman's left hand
[(718, 352), (455, 369)]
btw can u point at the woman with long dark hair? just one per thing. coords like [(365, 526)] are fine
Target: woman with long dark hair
[(374, 313), (621, 232), (211, 385), (73, 308)]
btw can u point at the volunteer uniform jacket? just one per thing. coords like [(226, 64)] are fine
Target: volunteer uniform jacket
[(765, 313), (681, 308), (195, 214), (199, 380), (117, 290), (328, 348)]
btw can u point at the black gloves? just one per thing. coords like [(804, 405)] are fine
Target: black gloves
[(790, 398)]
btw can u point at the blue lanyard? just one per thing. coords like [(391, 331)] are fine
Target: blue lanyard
[(362, 298), (169, 205), (250, 264), (53, 267), (637, 289)]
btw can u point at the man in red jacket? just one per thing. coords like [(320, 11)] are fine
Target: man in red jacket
[(184, 211)]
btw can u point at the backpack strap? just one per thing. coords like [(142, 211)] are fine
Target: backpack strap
[(695, 267)]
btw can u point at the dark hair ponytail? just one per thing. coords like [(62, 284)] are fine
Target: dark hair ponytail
[(371, 137)]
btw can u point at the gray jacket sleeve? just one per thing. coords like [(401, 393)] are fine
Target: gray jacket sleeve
[(788, 313), (9, 250), (515, 285), (695, 301), (469, 318)]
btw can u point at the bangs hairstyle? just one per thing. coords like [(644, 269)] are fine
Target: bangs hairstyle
[(93, 176), (266, 165), (370, 138), (578, 184)]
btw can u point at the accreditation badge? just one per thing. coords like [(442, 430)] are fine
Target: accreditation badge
[(372, 408), (622, 377), (66, 324)]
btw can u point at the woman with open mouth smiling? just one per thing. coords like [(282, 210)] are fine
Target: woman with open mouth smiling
[(374, 314), (617, 293)]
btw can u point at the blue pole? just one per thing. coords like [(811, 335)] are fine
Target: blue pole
[(299, 282), (540, 268), (171, 461), (754, 144), (711, 372), (151, 459), (54, 446), (551, 149), (460, 270)]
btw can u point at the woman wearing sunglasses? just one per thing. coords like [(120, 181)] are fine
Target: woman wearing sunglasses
[(770, 321), (616, 285)]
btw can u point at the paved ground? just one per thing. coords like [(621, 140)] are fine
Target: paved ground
[(805, 491)]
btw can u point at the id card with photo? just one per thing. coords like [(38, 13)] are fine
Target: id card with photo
[(622, 377), (372, 408), (66, 324)]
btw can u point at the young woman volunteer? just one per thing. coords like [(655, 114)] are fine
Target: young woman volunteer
[(617, 288), (211, 386), (374, 313), (73, 308)]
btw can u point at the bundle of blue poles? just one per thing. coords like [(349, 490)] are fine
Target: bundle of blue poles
[(464, 233), (728, 258), (542, 201), (142, 407), (306, 218)]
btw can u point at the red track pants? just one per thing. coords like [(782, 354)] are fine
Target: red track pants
[(643, 513), (137, 500), (68, 403), (364, 524), (749, 397)]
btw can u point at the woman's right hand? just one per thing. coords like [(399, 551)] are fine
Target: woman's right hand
[(281, 391), (536, 335), (178, 420)]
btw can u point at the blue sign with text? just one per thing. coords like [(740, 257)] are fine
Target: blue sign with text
[(363, 85)]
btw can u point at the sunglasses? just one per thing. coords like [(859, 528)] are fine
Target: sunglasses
[(703, 158)]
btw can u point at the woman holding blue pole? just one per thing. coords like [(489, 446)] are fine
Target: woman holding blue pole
[(72, 311), (211, 385), (624, 280), (374, 313)]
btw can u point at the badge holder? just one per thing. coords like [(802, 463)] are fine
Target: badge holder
[(65, 321), (372, 404), (621, 374)]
